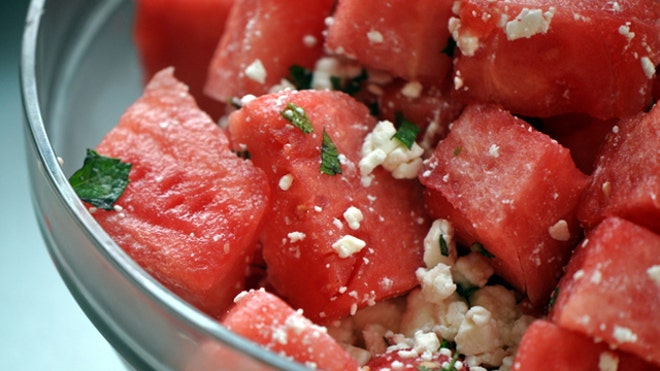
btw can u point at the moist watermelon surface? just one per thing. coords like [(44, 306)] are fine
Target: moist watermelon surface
[(191, 211), (306, 223)]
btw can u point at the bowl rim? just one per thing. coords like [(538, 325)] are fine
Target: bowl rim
[(158, 294)]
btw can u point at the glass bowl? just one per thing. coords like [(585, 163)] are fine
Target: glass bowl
[(79, 72)]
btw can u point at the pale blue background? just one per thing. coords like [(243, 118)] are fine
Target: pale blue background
[(41, 326)]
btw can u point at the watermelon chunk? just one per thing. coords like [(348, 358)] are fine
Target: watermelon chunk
[(546, 346), (611, 289), (510, 188), (182, 34), (307, 237), (626, 180), (269, 321), (191, 211), (542, 58), (403, 37), (262, 40)]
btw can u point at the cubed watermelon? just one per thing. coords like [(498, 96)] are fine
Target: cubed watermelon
[(320, 256), (182, 34), (546, 346), (611, 289), (626, 180), (267, 320), (510, 188), (403, 37), (547, 57), (262, 40), (191, 211)]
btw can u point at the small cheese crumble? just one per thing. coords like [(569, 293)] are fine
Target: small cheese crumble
[(348, 245), (381, 149), (353, 217), (296, 236), (559, 231), (529, 23), (608, 362), (256, 71), (375, 37), (624, 335), (468, 44), (310, 41), (494, 150), (285, 182), (654, 274), (648, 67), (441, 232), (412, 89)]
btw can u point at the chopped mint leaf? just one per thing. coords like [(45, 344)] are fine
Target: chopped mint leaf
[(458, 150), (553, 298), (444, 249), (451, 366), (406, 131), (447, 344), (477, 247), (330, 164), (350, 86), (101, 180), (297, 116), (300, 77)]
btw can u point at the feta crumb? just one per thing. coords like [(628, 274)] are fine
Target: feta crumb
[(436, 283), (608, 362), (348, 245), (596, 277), (468, 44), (559, 231), (473, 269), (412, 89), (654, 274), (477, 333), (296, 236), (285, 182), (256, 71), (441, 228), (494, 150), (353, 217), (648, 67), (624, 335), (375, 37), (381, 149), (310, 41), (529, 23)]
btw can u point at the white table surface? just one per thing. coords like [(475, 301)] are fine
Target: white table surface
[(41, 325)]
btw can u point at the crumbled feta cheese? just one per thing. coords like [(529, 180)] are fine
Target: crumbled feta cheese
[(529, 23), (412, 89), (477, 333), (559, 231), (310, 41), (375, 37), (473, 269), (381, 149), (494, 150), (426, 342), (296, 236), (436, 283), (608, 362), (353, 217), (654, 274), (328, 68), (468, 44), (256, 71), (648, 67), (348, 245), (441, 228), (624, 335), (285, 182)]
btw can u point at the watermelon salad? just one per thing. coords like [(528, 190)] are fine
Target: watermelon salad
[(426, 185)]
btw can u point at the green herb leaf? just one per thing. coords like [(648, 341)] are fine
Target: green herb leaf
[(350, 86), (330, 164), (465, 291), (300, 77), (553, 298), (452, 363), (477, 247), (447, 344), (458, 150), (444, 249), (406, 132), (297, 116), (101, 180)]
